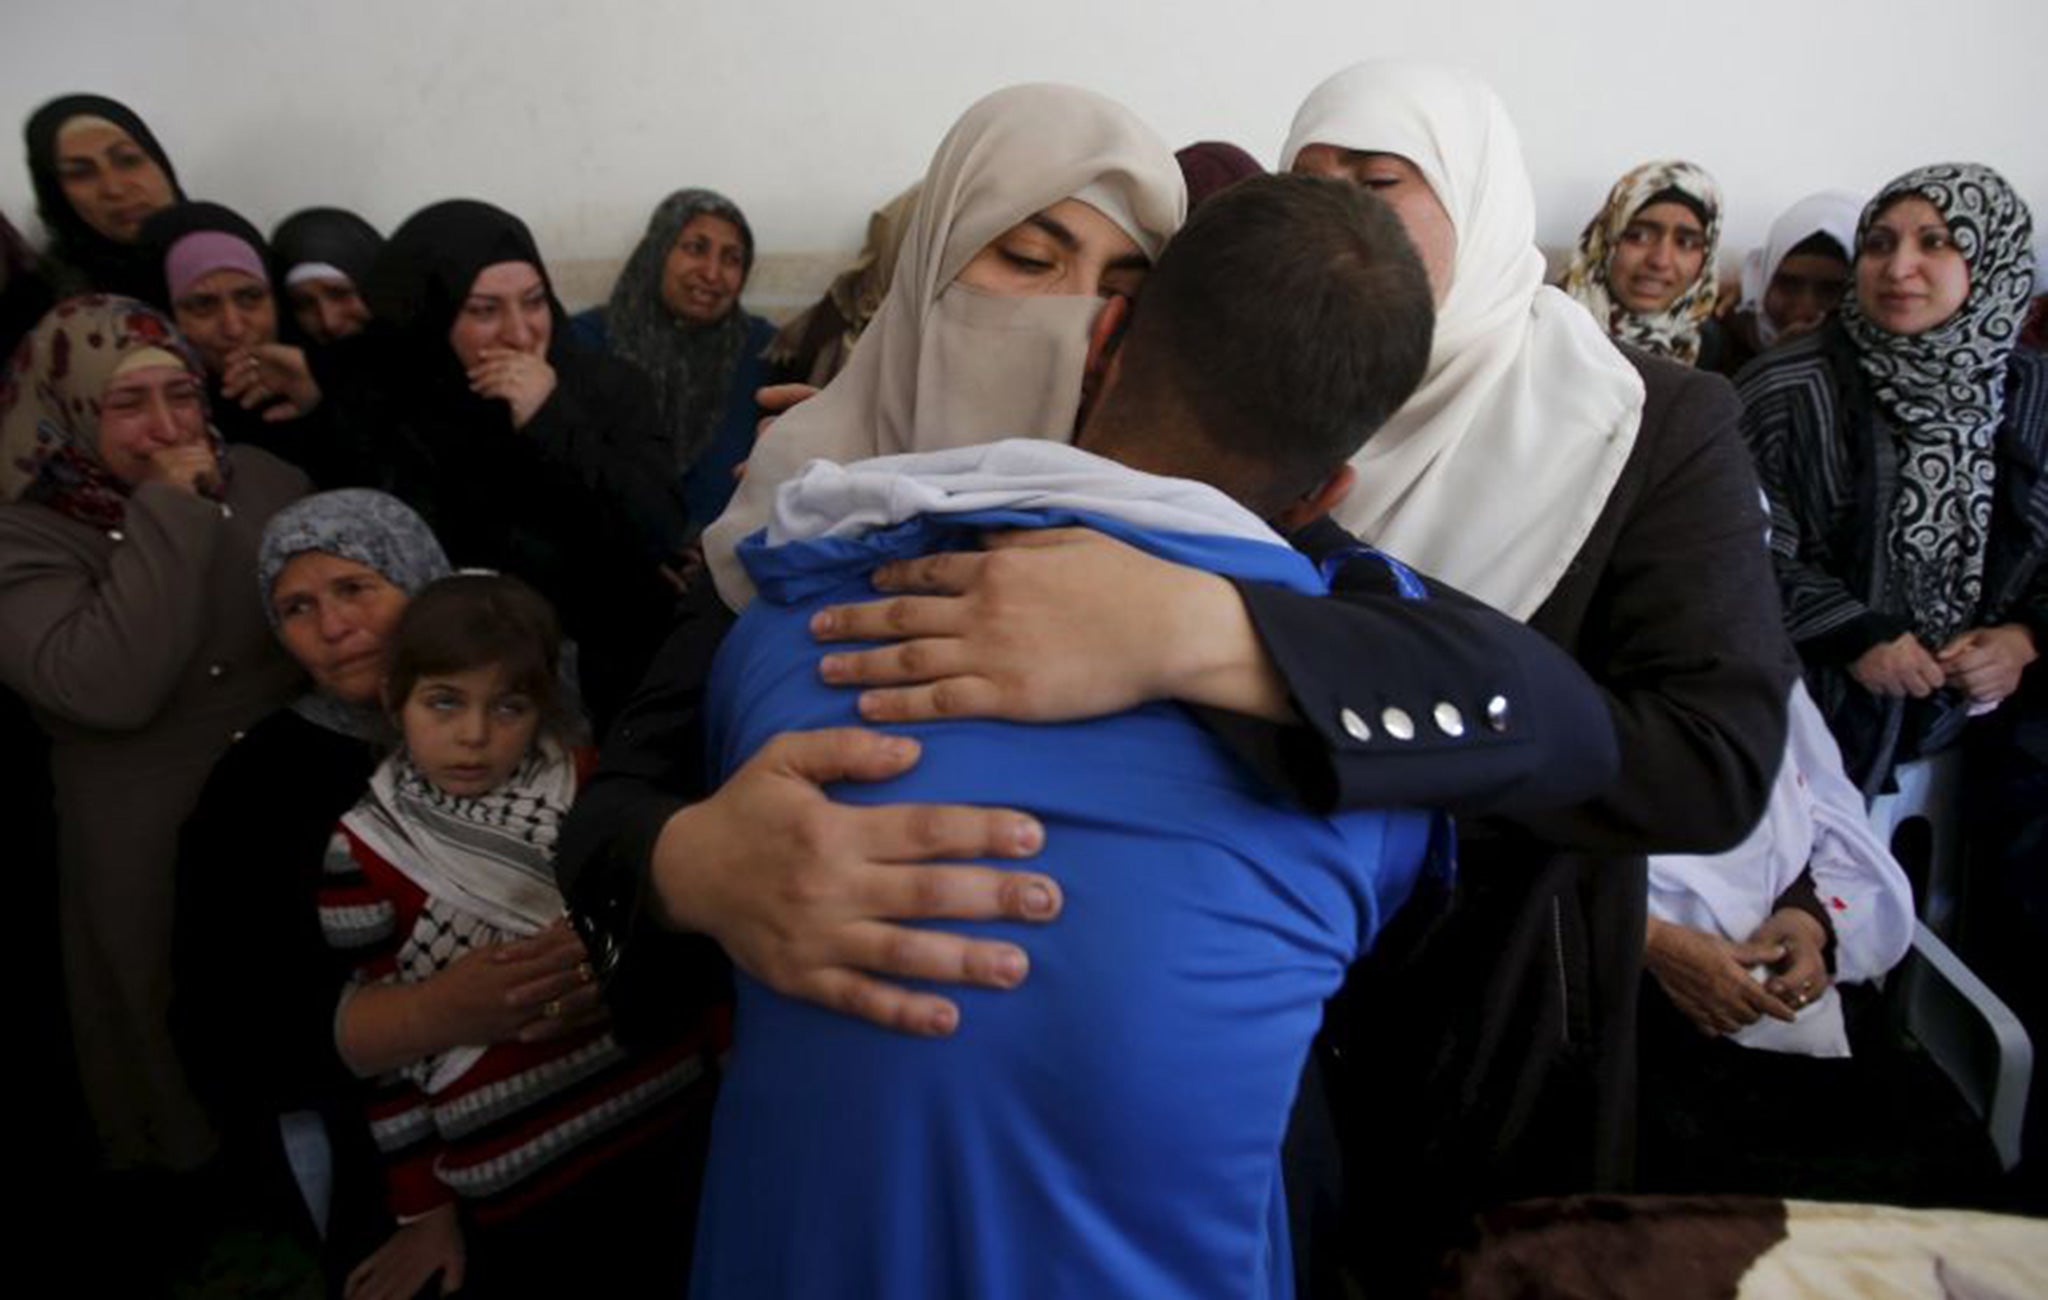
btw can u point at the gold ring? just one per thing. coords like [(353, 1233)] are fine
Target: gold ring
[(553, 1010)]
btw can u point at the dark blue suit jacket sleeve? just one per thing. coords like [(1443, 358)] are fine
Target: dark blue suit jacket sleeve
[(1442, 702)]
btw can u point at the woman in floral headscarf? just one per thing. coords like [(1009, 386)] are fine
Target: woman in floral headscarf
[(1902, 448), (127, 535), (675, 314), (1645, 262)]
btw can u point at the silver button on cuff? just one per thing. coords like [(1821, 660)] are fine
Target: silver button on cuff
[(1447, 718), (216, 671), (1354, 726), (1497, 713), (1398, 724)]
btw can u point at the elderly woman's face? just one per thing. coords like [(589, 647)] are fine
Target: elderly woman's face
[(110, 181), (145, 412), (706, 267), (1070, 248), (1910, 276), (336, 616), (1401, 185)]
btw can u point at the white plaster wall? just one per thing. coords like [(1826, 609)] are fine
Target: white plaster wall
[(580, 116)]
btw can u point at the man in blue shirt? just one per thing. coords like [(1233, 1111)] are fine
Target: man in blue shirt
[(1113, 1127)]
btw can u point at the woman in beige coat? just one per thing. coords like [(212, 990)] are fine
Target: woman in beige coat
[(129, 623)]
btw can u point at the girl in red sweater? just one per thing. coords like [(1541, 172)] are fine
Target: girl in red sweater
[(505, 1158)]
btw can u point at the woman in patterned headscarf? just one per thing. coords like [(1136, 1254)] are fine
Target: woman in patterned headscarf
[(1902, 448), (1645, 262), (675, 313), (127, 535)]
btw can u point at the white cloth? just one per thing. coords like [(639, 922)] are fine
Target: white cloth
[(1492, 475), (831, 500), (1815, 820), (1831, 212), (944, 366)]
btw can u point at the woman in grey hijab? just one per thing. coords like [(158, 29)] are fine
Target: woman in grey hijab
[(334, 572), (675, 313)]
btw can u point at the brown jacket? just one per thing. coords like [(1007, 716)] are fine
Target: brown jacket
[(142, 651)]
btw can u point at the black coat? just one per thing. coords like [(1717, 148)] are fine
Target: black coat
[(249, 956), (581, 502), (1486, 1049)]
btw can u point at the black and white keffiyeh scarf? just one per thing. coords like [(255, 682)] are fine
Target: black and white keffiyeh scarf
[(491, 854), (1943, 391)]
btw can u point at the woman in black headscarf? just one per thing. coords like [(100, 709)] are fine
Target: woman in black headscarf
[(213, 277), (525, 453), (322, 258), (98, 173), (675, 314)]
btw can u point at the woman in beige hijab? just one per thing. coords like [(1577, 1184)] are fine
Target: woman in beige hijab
[(1041, 203)]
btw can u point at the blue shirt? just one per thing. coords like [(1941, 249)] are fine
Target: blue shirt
[(1113, 1126)]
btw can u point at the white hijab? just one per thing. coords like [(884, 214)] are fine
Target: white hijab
[(1831, 212), (943, 365), (1492, 475)]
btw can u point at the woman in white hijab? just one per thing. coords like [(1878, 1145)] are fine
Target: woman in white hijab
[(1607, 500), (1791, 285), (1041, 202)]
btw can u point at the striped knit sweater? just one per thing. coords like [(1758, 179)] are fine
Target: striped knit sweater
[(1829, 467), (526, 1120)]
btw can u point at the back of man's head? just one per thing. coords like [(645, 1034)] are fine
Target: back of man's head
[(1282, 326)]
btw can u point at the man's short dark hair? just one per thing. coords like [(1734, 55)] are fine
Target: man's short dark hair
[(1282, 326)]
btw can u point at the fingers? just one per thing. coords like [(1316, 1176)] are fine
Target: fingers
[(1026, 538), (1760, 1000), (1988, 684), (900, 619), (925, 833), (959, 893), (904, 952), (777, 398), (924, 660), (553, 943), (561, 992), (1961, 646), (948, 573), (1767, 952), (954, 697), (838, 754), (565, 1022), (892, 1007), (1927, 678)]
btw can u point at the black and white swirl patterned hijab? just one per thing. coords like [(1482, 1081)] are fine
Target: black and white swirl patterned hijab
[(1944, 391)]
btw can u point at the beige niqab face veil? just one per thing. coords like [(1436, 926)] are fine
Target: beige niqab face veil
[(944, 365)]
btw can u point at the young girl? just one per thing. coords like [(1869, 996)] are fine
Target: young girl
[(504, 1157)]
